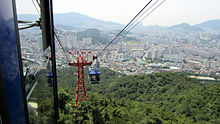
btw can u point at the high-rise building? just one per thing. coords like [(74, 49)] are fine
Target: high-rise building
[(149, 55), (155, 54), (120, 47), (69, 40)]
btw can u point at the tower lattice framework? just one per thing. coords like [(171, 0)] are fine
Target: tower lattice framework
[(80, 63)]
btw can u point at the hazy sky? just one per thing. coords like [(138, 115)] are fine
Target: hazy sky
[(169, 13)]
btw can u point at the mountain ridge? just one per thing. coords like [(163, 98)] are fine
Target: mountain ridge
[(78, 20), (210, 24)]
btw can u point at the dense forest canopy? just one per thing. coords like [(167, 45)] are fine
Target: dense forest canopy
[(155, 98)]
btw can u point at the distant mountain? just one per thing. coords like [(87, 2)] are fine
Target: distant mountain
[(95, 34), (207, 25), (185, 26), (66, 27), (182, 25), (211, 24), (76, 20), (79, 21), (155, 27)]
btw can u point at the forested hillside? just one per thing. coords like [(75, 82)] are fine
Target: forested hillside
[(96, 36), (153, 99)]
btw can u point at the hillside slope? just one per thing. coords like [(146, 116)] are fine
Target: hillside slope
[(155, 98)]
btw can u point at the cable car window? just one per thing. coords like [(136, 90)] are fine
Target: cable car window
[(37, 66), (39, 92)]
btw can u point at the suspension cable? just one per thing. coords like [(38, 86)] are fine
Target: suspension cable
[(58, 40), (38, 3), (124, 32), (136, 20), (146, 16), (141, 19), (123, 29), (35, 6)]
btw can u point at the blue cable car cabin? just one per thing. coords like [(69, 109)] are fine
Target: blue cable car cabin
[(94, 73), (94, 76), (49, 74)]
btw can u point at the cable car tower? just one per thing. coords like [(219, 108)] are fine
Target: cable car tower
[(80, 63)]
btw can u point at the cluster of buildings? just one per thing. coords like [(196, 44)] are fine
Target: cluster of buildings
[(197, 52)]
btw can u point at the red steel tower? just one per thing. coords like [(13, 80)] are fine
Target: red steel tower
[(80, 63)]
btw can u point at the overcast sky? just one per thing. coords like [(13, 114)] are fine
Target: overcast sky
[(171, 12)]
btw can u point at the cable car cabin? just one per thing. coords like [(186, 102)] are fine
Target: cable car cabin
[(49, 81), (94, 76), (49, 75)]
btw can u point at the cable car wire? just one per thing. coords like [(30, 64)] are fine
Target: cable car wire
[(38, 3), (124, 28), (58, 41), (36, 6), (146, 16), (141, 20), (136, 20), (142, 15)]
